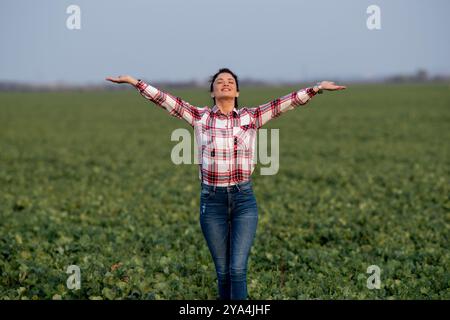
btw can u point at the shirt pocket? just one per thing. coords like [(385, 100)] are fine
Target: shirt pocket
[(241, 137), (208, 141)]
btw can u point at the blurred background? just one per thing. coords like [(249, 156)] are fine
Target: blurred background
[(187, 41)]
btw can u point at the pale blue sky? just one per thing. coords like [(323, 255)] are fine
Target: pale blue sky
[(181, 40)]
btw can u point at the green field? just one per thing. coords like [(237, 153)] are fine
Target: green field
[(86, 179)]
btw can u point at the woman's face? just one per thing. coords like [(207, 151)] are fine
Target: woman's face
[(224, 87)]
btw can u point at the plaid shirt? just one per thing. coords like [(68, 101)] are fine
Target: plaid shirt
[(225, 143)]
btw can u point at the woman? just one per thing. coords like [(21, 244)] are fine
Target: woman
[(225, 137)]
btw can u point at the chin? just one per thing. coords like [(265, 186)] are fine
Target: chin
[(229, 96)]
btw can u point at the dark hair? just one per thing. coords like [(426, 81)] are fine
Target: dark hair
[(213, 78)]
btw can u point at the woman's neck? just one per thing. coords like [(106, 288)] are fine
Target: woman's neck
[(225, 105)]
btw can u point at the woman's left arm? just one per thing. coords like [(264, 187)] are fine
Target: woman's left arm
[(268, 111)]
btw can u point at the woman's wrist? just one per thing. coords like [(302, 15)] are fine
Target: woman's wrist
[(317, 88), (133, 81)]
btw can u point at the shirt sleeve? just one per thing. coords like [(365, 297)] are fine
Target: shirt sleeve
[(263, 113), (174, 105)]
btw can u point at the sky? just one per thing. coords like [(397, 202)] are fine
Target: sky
[(180, 40)]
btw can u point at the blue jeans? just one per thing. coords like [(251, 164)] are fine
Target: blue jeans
[(228, 218)]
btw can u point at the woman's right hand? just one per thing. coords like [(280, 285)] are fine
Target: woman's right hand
[(123, 79)]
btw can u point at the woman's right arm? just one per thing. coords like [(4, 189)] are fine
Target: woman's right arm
[(174, 105)]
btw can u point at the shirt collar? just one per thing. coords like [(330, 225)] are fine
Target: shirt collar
[(215, 109)]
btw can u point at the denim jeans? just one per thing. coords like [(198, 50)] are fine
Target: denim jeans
[(228, 219)]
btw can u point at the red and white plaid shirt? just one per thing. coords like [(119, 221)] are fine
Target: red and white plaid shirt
[(225, 142)]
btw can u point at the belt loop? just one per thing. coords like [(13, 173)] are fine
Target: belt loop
[(237, 185)]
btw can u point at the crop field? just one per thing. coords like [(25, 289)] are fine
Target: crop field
[(86, 179)]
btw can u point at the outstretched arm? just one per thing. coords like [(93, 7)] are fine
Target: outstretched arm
[(266, 112), (174, 105)]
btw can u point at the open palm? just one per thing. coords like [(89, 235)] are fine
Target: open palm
[(329, 85), (122, 79)]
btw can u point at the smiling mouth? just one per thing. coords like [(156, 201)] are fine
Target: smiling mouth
[(226, 89)]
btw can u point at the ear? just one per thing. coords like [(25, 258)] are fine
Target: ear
[(237, 94), (212, 95)]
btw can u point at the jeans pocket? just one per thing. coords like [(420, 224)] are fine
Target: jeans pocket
[(205, 194), (246, 190)]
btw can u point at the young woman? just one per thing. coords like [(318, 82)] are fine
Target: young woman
[(225, 136)]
